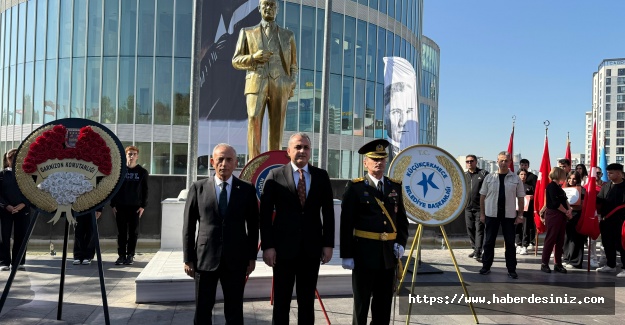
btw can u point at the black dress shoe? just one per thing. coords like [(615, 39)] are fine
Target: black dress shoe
[(484, 271), (471, 255), (513, 275), (545, 268), (559, 268)]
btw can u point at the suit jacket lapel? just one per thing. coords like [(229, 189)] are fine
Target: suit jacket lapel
[(387, 187), (212, 194), (234, 192), (286, 68), (313, 181), (372, 184), (257, 38), (287, 172)]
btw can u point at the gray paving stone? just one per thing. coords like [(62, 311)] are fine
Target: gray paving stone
[(33, 297)]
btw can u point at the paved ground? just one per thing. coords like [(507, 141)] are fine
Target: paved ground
[(34, 295)]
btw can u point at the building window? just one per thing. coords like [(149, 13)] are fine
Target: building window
[(620, 81), (620, 107), (620, 89), (607, 150), (608, 72), (608, 81), (620, 150), (620, 133), (619, 159), (607, 124), (608, 90), (606, 133), (620, 124), (607, 107), (620, 116), (620, 98), (606, 142), (607, 116), (608, 98), (621, 72), (620, 141)]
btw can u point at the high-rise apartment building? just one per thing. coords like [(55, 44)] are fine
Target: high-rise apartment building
[(608, 107)]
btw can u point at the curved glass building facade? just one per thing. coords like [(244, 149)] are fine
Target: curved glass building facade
[(428, 93), (127, 65)]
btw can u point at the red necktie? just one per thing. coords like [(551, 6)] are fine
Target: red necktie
[(301, 187)]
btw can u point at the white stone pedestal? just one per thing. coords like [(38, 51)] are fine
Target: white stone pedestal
[(171, 224)]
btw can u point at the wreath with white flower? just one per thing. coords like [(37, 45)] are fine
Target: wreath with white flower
[(62, 169)]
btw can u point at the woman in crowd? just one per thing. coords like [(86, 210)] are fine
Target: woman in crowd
[(528, 227), (574, 242), (84, 244), (14, 215), (583, 173), (554, 217)]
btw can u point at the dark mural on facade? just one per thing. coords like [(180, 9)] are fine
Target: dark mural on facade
[(221, 86)]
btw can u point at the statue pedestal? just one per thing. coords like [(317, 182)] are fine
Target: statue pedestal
[(163, 279), (172, 219)]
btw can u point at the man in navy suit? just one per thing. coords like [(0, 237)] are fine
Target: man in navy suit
[(226, 246), (296, 239)]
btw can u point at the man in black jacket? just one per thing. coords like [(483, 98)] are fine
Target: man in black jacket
[(296, 239), (610, 206), (474, 177), (531, 177), (226, 210), (128, 205)]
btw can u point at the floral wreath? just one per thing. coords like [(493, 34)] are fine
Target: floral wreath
[(68, 169)]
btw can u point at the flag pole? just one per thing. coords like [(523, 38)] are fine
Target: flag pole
[(511, 145), (546, 123)]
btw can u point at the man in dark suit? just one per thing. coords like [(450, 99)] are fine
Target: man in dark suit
[(374, 231), (226, 246), (296, 239), (268, 53)]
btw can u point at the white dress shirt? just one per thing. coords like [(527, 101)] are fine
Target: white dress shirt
[(376, 181), (218, 187)]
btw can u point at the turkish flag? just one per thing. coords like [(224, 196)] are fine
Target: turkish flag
[(541, 185), (567, 154), (589, 223), (510, 145)]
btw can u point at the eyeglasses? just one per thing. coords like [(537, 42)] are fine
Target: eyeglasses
[(470, 161)]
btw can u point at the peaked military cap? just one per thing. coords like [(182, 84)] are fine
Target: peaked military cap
[(375, 149)]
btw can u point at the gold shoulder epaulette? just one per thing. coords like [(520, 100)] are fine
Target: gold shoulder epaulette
[(356, 180), (395, 180)]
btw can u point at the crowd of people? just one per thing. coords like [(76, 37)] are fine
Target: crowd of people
[(295, 223), (506, 200)]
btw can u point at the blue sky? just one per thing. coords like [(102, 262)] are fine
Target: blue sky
[(531, 58)]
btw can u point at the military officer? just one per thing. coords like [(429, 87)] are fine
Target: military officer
[(374, 231)]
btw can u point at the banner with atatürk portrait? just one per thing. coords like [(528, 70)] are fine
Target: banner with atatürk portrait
[(401, 120)]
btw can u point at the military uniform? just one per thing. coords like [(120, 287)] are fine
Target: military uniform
[(368, 235)]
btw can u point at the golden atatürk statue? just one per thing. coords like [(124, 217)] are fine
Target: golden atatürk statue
[(268, 53)]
